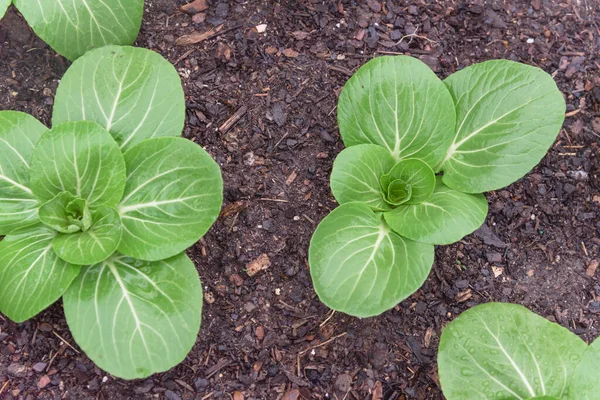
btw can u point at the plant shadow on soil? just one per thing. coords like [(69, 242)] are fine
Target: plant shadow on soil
[(266, 334)]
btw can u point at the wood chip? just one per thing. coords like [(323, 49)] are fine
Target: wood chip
[(194, 7), (227, 125), (592, 267), (290, 179), (292, 394), (234, 208), (464, 296), (377, 391), (300, 35), (197, 37), (209, 297), (261, 263), (237, 395), (260, 333), (291, 53), (427, 338)]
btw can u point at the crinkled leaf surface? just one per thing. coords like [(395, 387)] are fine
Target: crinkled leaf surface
[(95, 244), (362, 268), (418, 175), (356, 172), (81, 158), (504, 351), (57, 213), (74, 27), (4, 6), (32, 277), (400, 104), (19, 133), (173, 195), (508, 115), (446, 217), (135, 318), (585, 383), (134, 93)]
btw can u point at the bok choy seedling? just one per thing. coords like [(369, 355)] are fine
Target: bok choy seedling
[(504, 351), (420, 153), (100, 209)]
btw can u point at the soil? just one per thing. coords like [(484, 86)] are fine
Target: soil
[(267, 336)]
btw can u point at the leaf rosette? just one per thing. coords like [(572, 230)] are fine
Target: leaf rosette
[(104, 221), (419, 154)]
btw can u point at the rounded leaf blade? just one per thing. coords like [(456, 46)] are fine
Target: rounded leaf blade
[(19, 133), (134, 93), (356, 172), (135, 318), (172, 197), (418, 175), (498, 350), (585, 383), (80, 158), (74, 27), (95, 244), (400, 104), (446, 217), (508, 116), (32, 277), (362, 268)]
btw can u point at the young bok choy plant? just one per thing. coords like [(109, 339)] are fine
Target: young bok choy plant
[(420, 153), (504, 351), (100, 209), (73, 27)]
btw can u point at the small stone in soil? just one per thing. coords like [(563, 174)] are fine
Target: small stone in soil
[(171, 395), (43, 382), (343, 383), (201, 383), (39, 367), (17, 370), (494, 257)]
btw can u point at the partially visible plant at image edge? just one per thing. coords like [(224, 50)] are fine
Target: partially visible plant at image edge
[(504, 351), (73, 27), (420, 153), (100, 209)]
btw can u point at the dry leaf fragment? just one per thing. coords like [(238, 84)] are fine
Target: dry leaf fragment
[(592, 267), (197, 37), (261, 263), (300, 35), (194, 7), (291, 53)]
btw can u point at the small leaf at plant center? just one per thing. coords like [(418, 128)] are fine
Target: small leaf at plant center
[(356, 173), (415, 173), (66, 213), (398, 192), (81, 158), (94, 244)]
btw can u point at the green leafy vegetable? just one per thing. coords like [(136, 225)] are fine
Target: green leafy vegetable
[(359, 266), (71, 200), (505, 351), (134, 318), (4, 6), (74, 27), (135, 94), (481, 129)]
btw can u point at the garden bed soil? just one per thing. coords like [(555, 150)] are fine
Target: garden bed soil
[(267, 336)]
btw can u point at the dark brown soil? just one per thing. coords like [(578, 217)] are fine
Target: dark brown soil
[(267, 334)]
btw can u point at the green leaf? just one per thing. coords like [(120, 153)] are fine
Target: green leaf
[(446, 217), (135, 318), (92, 245), (504, 351), (356, 172), (173, 195), (400, 104), (508, 115), (134, 93), (19, 133), (585, 383), (32, 277), (3, 7), (398, 192), (80, 158), (74, 27), (66, 213), (415, 173), (362, 268)]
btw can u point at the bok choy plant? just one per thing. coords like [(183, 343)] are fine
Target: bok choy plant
[(73, 27), (100, 209), (420, 153), (504, 351)]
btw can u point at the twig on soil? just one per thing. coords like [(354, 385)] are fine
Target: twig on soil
[(65, 342), (227, 125), (4, 387), (324, 343), (280, 140), (331, 314), (276, 200), (584, 249), (414, 35)]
